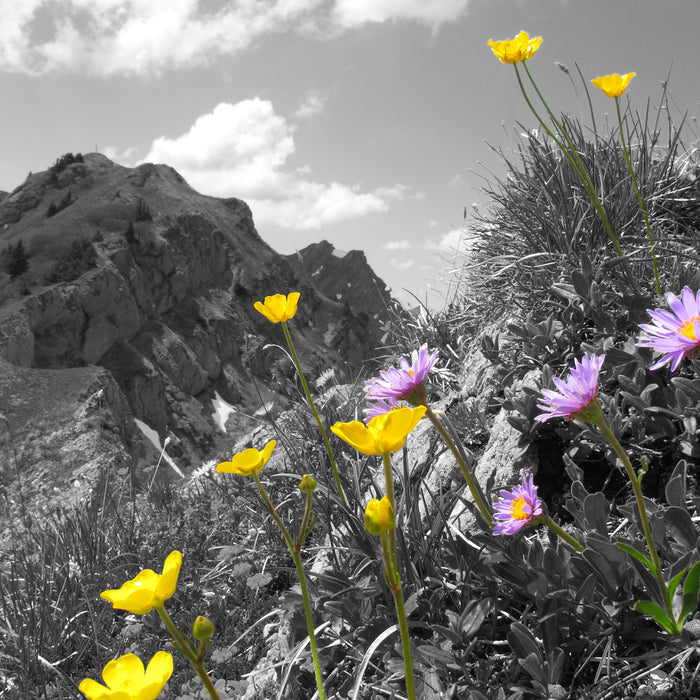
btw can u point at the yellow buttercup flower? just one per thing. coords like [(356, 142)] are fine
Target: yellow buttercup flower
[(278, 307), (249, 461), (384, 433), (125, 678), (148, 589), (613, 85), (515, 50), (379, 516)]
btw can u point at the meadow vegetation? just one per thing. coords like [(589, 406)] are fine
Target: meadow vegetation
[(489, 615)]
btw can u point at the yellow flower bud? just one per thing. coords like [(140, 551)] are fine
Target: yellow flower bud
[(202, 628), (379, 516), (308, 484)]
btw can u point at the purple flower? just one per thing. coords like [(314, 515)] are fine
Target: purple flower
[(404, 384), (676, 334), (576, 394), (517, 508)]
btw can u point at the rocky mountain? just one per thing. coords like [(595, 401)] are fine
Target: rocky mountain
[(139, 291)]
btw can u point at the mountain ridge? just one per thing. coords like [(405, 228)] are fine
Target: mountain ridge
[(133, 271)]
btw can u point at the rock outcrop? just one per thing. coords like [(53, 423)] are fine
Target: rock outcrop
[(134, 272)]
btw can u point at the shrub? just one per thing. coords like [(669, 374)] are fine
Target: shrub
[(77, 259), (15, 260)]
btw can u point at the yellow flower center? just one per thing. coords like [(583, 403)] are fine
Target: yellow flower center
[(688, 328), (518, 511)]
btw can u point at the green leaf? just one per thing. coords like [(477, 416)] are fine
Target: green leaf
[(673, 583), (534, 666), (523, 642), (679, 523), (637, 555), (691, 588), (646, 607)]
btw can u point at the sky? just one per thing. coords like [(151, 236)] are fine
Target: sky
[(369, 123)]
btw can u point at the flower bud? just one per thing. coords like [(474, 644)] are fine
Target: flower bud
[(308, 484), (202, 629), (379, 516)]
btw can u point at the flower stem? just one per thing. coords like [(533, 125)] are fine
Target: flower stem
[(393, 578), (312, 405), (572, 156), (558, 530), (295, 550), (471, 483), (639, 197), (644, 518), (186, 648)]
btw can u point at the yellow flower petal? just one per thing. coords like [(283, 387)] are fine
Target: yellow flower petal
[(379, 516), (159, 670), (249, 461), (278, 307), (384, 433), (94, 690), (515, 50), (613, 85), (126, 679), (167, 583), (147, 588), (356, 435)]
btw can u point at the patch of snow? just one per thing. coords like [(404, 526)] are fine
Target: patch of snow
[(339, 253), (222, 411), (152, 436), (318, 272)]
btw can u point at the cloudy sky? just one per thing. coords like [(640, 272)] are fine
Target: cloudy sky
[(364, 122)]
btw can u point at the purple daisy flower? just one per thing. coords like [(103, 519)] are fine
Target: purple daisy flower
[(400, 384), (576, 394), (517, 508), (676, 334)]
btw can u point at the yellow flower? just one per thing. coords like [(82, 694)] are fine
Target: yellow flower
[(379, 516), (613, 85), (384, 433), (515, 50), (125, 678), (278, 308), (148, 589), (248, 461)]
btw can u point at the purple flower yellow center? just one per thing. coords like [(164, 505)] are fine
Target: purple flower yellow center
[(688, 328), (521, 509)]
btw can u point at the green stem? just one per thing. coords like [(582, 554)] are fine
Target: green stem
[(474, 488), (572, 156), (639, 196), (644, 518), (393, 580), (557, 529), (188, 651), (312, 405), (294, 550)]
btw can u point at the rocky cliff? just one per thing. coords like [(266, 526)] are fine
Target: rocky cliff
[(132, 271)]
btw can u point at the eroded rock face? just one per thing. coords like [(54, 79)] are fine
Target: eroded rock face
[(166, 304)]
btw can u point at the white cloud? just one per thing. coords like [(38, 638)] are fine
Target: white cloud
[(142, 37), (352, 13), (397, 245), (241, 150), (311, 106), (448, 242), (401, 264)]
